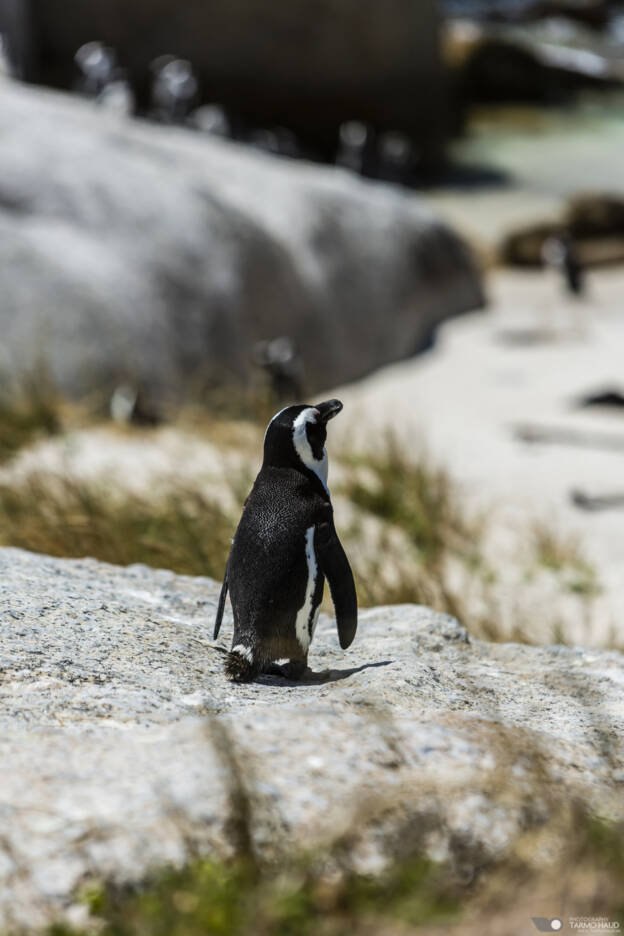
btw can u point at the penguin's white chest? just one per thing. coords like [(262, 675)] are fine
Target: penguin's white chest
[(307, 616)]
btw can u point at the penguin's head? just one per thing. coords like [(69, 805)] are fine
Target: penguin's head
[(296, 436)]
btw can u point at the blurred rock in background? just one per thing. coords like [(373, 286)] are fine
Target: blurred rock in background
[(544, 53), (137, 254), (595, 220)]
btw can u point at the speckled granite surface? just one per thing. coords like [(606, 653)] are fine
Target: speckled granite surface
[(110, 684)]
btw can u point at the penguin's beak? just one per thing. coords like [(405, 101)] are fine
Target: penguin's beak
[(328, 410)]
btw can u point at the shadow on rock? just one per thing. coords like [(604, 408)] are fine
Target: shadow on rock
[(324, 676)]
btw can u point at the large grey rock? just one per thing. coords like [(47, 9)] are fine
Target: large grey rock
[(133, 251), (112, 701)]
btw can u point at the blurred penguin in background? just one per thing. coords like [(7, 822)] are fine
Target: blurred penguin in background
[(278, 141), (102, 80), (131, 405), (559, 253), (174, 89), (117, 97), (352, 139), (281, 362), (6, 68), (17, 40), (211, 119), (264, 140), (395, 158), (97, 64)]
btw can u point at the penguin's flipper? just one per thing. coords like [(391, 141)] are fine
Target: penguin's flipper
[(336, 569), (221, 605)]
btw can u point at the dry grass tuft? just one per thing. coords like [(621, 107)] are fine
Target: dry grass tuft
[(564, 557), (418, 497), (26, 417), (181, 530), (438, 537), (429, 548)]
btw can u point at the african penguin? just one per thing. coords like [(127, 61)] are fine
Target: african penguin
[(284, 548)]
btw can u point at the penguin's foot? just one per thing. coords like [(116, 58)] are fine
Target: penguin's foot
[(240, 665), (292, 670)]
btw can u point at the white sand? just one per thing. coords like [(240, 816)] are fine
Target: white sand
[(464, 398)]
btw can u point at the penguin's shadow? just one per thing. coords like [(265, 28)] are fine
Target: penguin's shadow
[(312, 678)]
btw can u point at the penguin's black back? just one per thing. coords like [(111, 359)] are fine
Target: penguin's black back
[(267, 569)]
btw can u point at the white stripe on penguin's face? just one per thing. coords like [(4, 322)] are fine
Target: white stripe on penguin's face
[(303, 447)]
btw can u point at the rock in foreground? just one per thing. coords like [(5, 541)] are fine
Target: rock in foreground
[(108, 754), (136, 252)]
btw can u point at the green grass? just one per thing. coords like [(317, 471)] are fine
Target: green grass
[(572, 859), (216, 898)]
